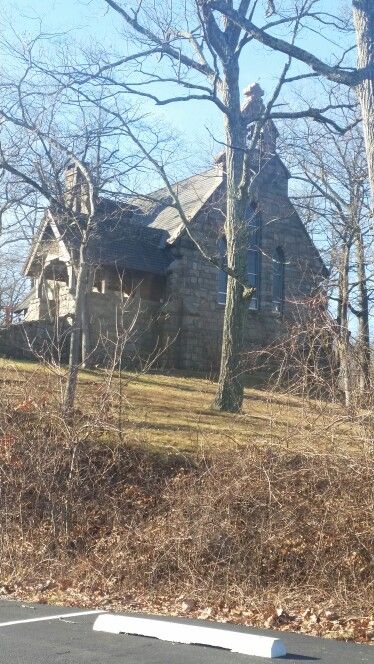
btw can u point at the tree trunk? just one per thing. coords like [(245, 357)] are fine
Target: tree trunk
[(230, 391), (343, 343), (76, 333), (86, 336), (363, 17), (363, 320)]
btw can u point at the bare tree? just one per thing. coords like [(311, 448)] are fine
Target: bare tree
[(19, 216), (332, 194), (363, 17), (203, 63), (362, 313), (43, 131), (361, 78)]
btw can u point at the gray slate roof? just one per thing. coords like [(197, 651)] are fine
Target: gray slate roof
[(121, 242), (156, 212), (138, 235)]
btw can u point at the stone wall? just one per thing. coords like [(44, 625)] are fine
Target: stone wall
[(130, 326), (36, 340), (186, 328), (127, 328), (193, 315)]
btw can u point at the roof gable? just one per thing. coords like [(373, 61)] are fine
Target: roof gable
[(114, 241), (137, 235), (155, 211), (47, 231)]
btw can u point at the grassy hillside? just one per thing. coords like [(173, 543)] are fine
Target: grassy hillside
[(150, 500), (173, 412)]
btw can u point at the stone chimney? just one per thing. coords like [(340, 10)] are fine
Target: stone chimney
[(76, 189)]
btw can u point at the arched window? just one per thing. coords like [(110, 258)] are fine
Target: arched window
[(254, 256), (278, 280), (253, 260), (222, 275)]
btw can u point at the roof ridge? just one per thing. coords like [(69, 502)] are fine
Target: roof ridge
[(183, 181)]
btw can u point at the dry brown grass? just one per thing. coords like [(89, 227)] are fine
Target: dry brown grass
[(172, 412), (237, 513)]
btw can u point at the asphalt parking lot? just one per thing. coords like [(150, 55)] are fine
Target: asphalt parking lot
[(71, 640)]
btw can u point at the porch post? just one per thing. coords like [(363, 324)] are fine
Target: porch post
[(72, 280), (39, 287)]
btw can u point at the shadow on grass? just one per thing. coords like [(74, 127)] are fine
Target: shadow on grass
[(172, 383)]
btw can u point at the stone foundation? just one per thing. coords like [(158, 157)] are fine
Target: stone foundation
[(36, 340), (125, 329)]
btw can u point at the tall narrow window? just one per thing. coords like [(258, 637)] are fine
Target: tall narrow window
[(253, 260), (222, 275), (254, 257), (278, 280)]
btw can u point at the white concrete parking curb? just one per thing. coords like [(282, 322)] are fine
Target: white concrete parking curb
[(239, 642)]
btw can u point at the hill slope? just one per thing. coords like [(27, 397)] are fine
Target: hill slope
[(150, 500)]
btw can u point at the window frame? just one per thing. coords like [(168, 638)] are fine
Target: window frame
[(222, 275), (253, 251), (278, 280)]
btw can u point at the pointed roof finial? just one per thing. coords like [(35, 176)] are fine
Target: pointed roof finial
[(253, 105), (254, 91)]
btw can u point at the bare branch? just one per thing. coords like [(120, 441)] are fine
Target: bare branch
[(336, 74)]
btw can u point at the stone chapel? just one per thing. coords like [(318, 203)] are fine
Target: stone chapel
[(151, 286)]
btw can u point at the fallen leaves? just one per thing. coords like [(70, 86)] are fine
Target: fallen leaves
[(315, 621)]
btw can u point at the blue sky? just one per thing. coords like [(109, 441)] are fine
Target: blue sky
[(88, 21)]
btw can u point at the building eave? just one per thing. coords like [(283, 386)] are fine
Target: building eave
[(47, 219)]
